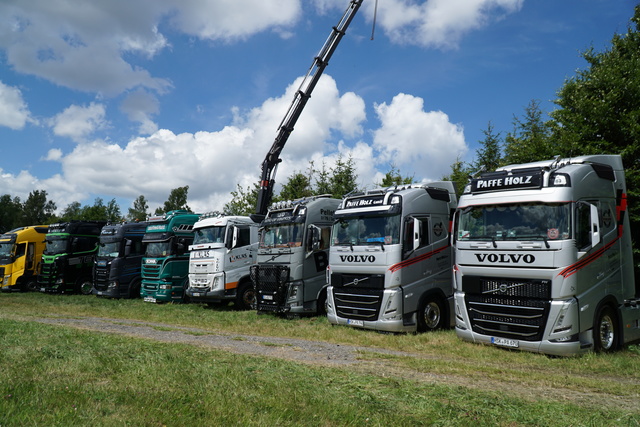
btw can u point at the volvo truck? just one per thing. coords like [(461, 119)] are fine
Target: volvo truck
[(165, 264), (544, 258), (223, 249), (293, 254), (20, 253), (67, 260), (117, 266), (390, 259)]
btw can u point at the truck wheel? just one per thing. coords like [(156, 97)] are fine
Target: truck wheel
[(431, 314), (134, 290), (246, 296), (605, 332), (32, 286), (321, 304), (84, 286)]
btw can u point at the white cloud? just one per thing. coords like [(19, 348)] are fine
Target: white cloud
[(140, 106), (14, 112), (431, 23), (78, 123), (54, 155), (414, 140), (233, 19), (210, 163)]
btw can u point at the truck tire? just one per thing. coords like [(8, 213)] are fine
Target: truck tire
[(134, 289), (431, 314), (605, 330), (84, 286), (32, 285), (321, 304), (246, 296)]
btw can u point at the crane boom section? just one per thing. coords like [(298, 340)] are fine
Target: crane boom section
[(300, 99)]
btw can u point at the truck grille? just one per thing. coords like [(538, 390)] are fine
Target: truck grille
[(368, 281), (508, 308), (270, 282), (47, 274), (151, 271), (101, 278), (357, 303)]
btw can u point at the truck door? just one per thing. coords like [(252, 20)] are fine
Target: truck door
[(19, 263), (316, 260)]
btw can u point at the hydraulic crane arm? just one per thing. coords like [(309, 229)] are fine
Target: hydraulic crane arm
[(320, 62)]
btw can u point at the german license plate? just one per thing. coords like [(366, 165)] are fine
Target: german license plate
[(99, 293), (197, 294), (268, 297), (505, 342), (353, 322), (149, 299)]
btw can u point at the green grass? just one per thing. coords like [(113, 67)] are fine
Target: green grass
[(60, 376)]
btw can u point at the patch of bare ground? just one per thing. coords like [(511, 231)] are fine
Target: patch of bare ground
[(366, 360)]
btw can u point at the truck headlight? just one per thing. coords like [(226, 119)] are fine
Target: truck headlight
[(563, 322)]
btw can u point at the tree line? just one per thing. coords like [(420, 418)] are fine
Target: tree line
[(598, 112)]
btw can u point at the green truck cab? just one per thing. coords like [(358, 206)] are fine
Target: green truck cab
[(67, 260), (165, 265)]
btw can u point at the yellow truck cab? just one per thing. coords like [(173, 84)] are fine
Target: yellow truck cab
[(20, 254)]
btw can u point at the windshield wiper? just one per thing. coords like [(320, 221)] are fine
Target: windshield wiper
[(492, 238)]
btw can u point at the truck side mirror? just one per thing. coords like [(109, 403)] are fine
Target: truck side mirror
[(595, 225), (180, 247), (127, 247), (313, 244), (417, 232), (231, 237)]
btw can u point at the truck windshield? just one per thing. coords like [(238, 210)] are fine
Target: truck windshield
[(5, 250), (519, 221), (366, 230), (109, 249), (282, 236), (158, 249), (209, 235), (55, 245)]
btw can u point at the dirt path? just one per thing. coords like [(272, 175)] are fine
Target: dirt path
[(338, 355)]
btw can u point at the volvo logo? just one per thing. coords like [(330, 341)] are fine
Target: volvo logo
[(356, 281), (357, 258), (506, 258)]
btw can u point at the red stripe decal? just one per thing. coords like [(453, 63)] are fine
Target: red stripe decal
[(412, 261)]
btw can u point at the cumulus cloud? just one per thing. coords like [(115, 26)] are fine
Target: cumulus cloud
[(140, 106), (424, 142), (210, 163), (14, 112), (431, 23), (78, 122)]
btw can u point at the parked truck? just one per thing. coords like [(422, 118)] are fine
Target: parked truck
[(293, 254), (544, 258), (117, 266), (390, 259), (165, 265), (67, 260), (20, 253), (223, 249)]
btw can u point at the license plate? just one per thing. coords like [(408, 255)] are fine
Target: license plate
[(504, 342), (268, 297), (353, 322), (149, 299), (99, 293), (197, 294)]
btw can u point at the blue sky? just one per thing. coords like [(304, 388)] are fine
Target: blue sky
[(136, 97)]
